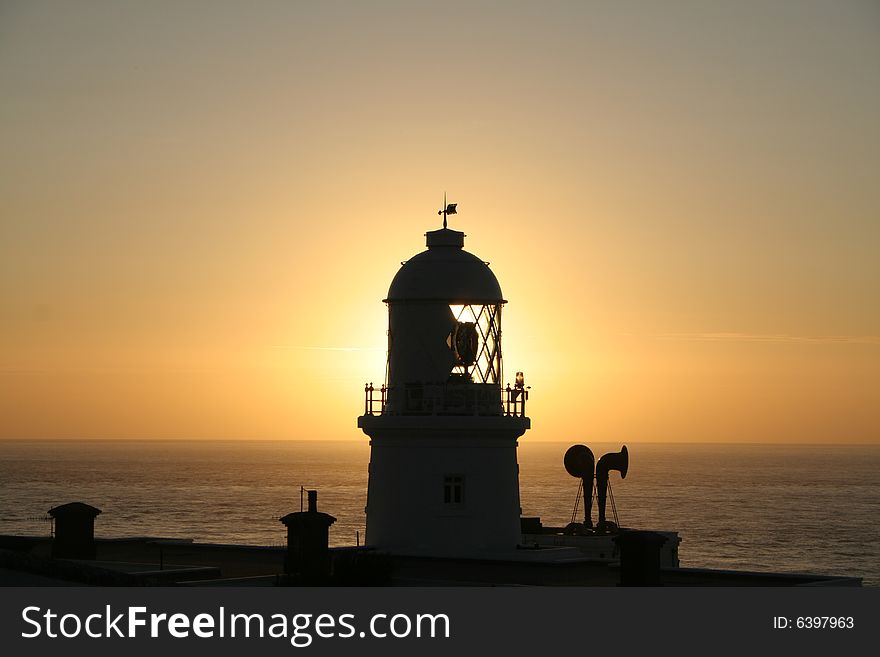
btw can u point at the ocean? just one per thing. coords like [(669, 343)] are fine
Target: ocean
[(793, 508)]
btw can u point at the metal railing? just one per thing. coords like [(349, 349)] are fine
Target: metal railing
[(37, 521), (515, 402), (371, 402), (440, 399)]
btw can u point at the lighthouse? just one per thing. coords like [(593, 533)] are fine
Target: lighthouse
[(443, 474)]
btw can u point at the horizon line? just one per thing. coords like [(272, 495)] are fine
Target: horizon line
[(547, 442)]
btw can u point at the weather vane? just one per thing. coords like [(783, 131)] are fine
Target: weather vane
[(447, 209)]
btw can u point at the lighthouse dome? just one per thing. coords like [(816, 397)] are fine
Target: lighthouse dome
[(445, 272)]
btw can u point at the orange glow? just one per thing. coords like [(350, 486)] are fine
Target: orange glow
[(196, 238)]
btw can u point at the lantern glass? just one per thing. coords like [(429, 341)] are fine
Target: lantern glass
[(476, 342)]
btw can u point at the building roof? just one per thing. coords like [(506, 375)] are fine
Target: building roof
[(74, 508), (304, 518), (445, 272)]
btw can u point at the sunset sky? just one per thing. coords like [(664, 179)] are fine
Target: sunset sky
[(202, 205)]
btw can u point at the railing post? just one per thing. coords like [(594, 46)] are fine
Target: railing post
[(508, 399), (366, 399)]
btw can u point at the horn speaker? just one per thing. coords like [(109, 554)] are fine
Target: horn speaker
[(579, 462), (612, 461)]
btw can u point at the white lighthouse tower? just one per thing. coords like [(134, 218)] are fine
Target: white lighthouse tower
[(444, 478)]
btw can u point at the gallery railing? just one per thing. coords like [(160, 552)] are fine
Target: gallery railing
[(446, 399)]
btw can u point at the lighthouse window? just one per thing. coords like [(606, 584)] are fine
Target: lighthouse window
[(475, 342), (453, 489)]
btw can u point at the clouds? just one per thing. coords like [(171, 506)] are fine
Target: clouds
[(769, 337), (284, 346)]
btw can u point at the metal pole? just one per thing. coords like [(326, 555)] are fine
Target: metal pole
[(613, 505), (577, 500)]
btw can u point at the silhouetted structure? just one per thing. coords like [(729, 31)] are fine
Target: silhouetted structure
[(308, 552), (74, 531), (443, 466), (640, 557), (579, 461), (612, 461)]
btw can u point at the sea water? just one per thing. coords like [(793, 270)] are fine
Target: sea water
[(795, 508)]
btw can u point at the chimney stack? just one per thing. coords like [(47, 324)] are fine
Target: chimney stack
[(640, 557), (74, 531), (308, 551)]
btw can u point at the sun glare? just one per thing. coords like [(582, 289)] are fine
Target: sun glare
[(457, 310)]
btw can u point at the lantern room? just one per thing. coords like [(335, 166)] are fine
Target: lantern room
[(444, 335)]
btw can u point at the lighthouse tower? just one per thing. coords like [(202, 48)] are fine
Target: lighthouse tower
[(444, 478)]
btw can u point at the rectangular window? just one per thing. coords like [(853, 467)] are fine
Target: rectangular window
[(453, 489)]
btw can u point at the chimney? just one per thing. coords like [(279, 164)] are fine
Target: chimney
[(308, 551), (640, 557), (74, 531)]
